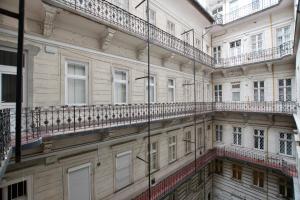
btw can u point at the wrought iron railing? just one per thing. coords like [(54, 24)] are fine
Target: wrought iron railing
[(46, 121), (248, 9), (257, 56), (168, 184), (5, 132), (101, 10)]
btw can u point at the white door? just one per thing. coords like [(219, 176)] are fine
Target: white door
[(79, 183)]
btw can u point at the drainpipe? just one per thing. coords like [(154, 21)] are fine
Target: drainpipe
[(272, 67)]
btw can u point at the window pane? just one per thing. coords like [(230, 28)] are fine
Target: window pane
[(8, 89), (8, 58), (76, 69), (76, 91), (119, 75)]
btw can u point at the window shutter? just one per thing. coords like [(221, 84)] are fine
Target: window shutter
[(123, 170)]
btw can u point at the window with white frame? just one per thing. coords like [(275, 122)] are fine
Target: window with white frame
[(285, 143), (152, 16), (199, 137), (124, 4), (186, 36), (187, 141), (187, 90), (154, 156), (198, 43), (285, 188), (217, 54), (123, 175), (256, 42), (171, 90), (256, 4), (15, 191), (79, 182), (218, 10), (172, 148), (258, 178), (235, 48), (170, 27), (285, 89), (259, 90), (236, 91), (8, 71), (259, 139), (219, 133), (76, 83), (120, 87), (218, 93), (152, 89), (207, 49), (233, 10), (283, 35), (237, 136)]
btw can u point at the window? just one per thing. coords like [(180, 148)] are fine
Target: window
[(152, 17), (237, 136), (120, 87), (283, 35), (285, 188), (170, 27), (236, 172), (285, 143), (199, 137), (219, 133), (259, 139), (152, 89), (124, 4), (259, 90), (255, 4), (235, 91), (285, 89), (219, 167), (187, 91), (171, 90), (235, 48), (76, 83), (8, 71), (15, 191), (258, 178), (123, 169), (217, 54), (79, 182), (207, 49), (211, 168), (186, 37), (256, 42), (218, 93), (217, 10), (233, 10), (154, 156), (172, 148), (187, 140), (198, 43)]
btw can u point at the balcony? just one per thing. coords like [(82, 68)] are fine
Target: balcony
[(246, 10), (168, 184), (264, 55), (107, 13)]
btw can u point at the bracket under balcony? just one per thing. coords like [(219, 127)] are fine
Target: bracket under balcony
[(50, 14), (106, 38), (167, 58), (141, 51)]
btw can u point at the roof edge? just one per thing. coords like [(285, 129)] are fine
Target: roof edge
[(199, 7)]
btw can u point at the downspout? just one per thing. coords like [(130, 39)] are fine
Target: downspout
[(272, 67)]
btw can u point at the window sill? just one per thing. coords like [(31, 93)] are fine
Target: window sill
[(171, 162), (237, 180), (262, 189), (118, 190)]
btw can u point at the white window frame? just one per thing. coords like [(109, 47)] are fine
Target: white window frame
[(172, 148), (172, 87), (219, 132), (257, 42), (217, 54), (199, 137), (258, 90), (122, 82), (171, 27), (235, 90), (285, 140), (260, 139), (280, 33), (237, 136), (78, 168), (85, 78), (152, 14), (284, 89), (131, 169), (152, 152), (218, 92), (154, 88), (188, 140), (235, 51), (29, 184)]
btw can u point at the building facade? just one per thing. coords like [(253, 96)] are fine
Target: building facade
[(84, 117)]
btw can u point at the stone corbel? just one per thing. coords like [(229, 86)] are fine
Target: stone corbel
[(185, 65), (167, 58), (50, 14), (141, 51), (269, 66), (245, 118), (106, 38), (244, 70)]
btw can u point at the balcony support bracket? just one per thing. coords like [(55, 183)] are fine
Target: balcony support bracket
[(50, 14), (167, 58), (106, 38), (269, 66)]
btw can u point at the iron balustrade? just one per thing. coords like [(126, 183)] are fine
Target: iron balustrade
[(171, 182), (117, 17), (5, 133), (248, 9), (257, 56), (54, 120)]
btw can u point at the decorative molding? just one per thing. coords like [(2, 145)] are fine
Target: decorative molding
[(50, 14), (269, 66), (106, 38), (141, 51), (167, 58)]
